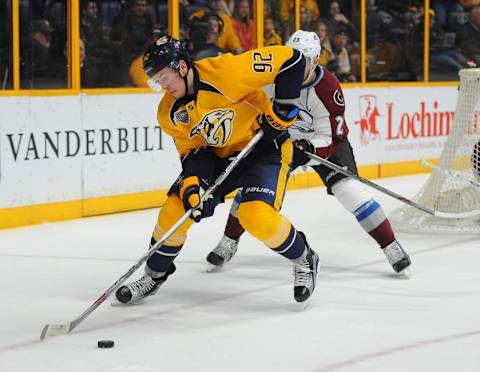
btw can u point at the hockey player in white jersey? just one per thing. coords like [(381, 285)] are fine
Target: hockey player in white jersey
[(321, 129)]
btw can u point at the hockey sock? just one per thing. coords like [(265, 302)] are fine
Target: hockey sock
[(160, 261), (268, 225), (233, 229), (371, 217), (293, 247)]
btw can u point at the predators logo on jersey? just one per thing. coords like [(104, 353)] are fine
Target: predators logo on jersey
[(215, 127)]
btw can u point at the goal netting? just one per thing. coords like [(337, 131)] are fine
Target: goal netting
[(454, 185)]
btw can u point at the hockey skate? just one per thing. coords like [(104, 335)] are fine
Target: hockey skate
[(222, 253), (305, 273), (136, 291), (398, 258)]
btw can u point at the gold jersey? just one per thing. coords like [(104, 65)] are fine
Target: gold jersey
[(228, 98)]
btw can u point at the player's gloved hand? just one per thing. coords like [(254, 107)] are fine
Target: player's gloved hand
[(269, 132), (276, 120), (191, 194), (300, 147)]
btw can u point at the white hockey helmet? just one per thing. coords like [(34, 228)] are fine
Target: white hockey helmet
[(308, 43)]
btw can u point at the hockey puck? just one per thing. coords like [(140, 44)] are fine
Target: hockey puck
[(105, 344)]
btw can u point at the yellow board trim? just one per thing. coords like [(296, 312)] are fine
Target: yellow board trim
[(39, 213), (33, 214), (124, 203), (404, 168)]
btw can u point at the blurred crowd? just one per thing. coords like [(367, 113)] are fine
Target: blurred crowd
[(114, 34)]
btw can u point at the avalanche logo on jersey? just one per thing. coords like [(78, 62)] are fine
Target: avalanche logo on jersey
[(304, 122), (338, 98), (215, 127)]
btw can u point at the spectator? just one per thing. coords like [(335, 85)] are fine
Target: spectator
[(443, 54), (287, 8), (443, 8), (340, 66), (271, 37), (337, 19), (383, 52), (267, 10), (133, 30), (36, 55), (228, 39), (243, 24), (469, 36), (204, 33), (287, 12), (91, 28), (326, 54), (306, 19)]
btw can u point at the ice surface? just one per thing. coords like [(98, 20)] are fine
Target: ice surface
[(362, 318)]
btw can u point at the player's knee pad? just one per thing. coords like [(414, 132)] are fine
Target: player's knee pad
[(264, 222), (169, 214), (350, 193)]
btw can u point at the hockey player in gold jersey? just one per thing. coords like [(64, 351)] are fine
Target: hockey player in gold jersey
[(212, 109)]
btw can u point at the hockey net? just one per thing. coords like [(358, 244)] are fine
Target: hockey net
[(454, 185)]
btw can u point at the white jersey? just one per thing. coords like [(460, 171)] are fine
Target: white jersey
[(321, 119)]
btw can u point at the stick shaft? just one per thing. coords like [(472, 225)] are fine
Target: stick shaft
[(347, 173)]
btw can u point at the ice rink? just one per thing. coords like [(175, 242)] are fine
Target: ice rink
[(361, 318)]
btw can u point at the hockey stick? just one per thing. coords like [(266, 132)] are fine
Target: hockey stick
[(62, 329), (394, 195), (449, 173)]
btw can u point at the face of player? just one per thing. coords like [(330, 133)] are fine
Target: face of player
[(170, 80), (309, 74)]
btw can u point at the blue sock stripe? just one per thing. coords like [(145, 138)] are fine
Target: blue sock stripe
[(374, 220), (366, 210)]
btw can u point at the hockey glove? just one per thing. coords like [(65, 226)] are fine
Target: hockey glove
[(191, 193), (276, 120), (299, 156)]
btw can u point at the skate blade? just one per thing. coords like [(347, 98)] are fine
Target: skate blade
[(213, 268), (302, 306), (115, 303), (405, 273)]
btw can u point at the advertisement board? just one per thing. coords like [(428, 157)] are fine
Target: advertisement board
[(74, 148)]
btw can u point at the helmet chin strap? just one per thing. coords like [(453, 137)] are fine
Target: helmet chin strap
[(185, 80)]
